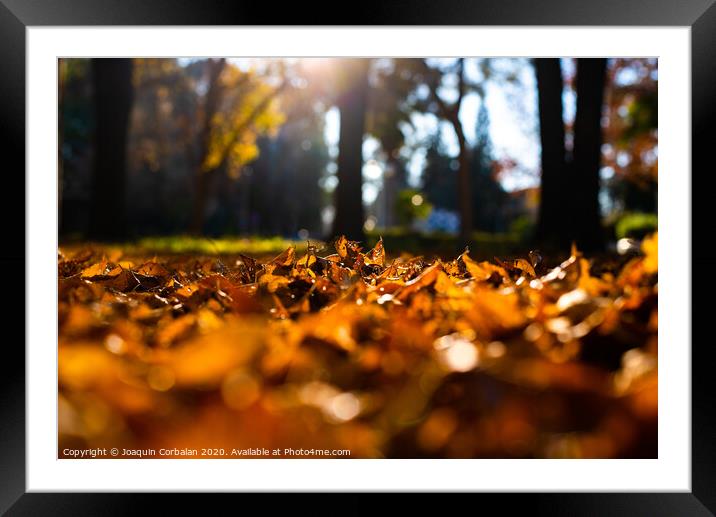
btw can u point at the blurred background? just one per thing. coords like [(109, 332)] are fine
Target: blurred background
[(499, 153)]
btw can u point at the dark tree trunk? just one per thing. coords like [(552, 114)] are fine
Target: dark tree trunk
[(551, 226), (464, 182), (464, 186), (348, 198), (112, 81), (61, 72), (201, 192), (203, 177), (585, 212)]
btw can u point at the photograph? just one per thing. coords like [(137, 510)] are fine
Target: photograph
[(357, 257)]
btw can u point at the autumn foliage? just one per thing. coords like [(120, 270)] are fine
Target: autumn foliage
[(400, 357)]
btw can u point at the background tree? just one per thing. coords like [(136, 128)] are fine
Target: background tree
[(450, 112), (440, 179), (631, 135), (162, 144), (388, 115), (238, 106), (61, 87), (287, 173), (352, 104), (554, 179), (75, 148), (569, 206), (209, 111), (440, 88), (112, 81), (439, 176), (487, 194), (585, 216)]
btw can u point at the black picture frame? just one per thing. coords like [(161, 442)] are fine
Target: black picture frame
[(17, 15)]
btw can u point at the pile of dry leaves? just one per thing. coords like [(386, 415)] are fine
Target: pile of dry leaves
[(385, 358)]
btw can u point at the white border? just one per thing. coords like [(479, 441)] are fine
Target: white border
[(670, 472)]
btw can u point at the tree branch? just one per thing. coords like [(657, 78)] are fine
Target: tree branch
[(448, 111), (261, 106)]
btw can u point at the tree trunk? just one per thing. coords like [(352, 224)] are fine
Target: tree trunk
[(554, 190), (393, 182), (201, 192), (348, 199), (62, 73), (203, 177), (585, 211), (463, 179), (112, 81), (464, 186)]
